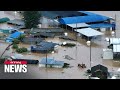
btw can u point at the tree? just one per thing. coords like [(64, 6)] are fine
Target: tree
[(15, 46), (16, 41), (21, 37), (31, 19)]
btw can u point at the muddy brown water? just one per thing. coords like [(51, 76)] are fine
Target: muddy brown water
[(80, 54)]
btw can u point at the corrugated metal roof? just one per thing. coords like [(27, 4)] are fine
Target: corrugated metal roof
[(17, 22), (83, 19), (114, 40), (47, 30), (50, 61), (44, 46), (89, 32), (101, 25), (15, 35)]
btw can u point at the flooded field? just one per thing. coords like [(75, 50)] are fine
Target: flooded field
[(79, 53)]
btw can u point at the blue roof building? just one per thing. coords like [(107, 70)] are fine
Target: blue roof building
[(83, 19), (51, 62), (101, 25), (13, 36)]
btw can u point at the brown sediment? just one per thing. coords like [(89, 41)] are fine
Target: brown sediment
[(81, 54)]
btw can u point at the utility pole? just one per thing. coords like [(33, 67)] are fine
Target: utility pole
[(76, 39), (115, 25), (46, 58)]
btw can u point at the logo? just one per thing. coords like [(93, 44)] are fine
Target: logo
[(15, 66)]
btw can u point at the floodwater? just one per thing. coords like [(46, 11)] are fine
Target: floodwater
[(79, 53)]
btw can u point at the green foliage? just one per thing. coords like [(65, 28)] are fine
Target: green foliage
[(100, 75), (21, 37), (24, 49), (16, 41), (15, 46), (31, 18), (21, 50), (69, 45)]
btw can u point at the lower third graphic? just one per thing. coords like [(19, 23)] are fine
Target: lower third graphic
[(15, 66)]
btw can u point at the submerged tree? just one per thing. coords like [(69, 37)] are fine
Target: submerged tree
[(31, 18)]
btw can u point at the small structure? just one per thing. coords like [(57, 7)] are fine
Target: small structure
[(13, 36), (32, 40), (116, 48), (8, 31), (107, 54), (51, 63), (67, 38), (44, 35), (56, 31), (18, 22), (89, 32), (116, 51), (99, 71), (102, 26), (43, 47), (114, 40), (114, 44)]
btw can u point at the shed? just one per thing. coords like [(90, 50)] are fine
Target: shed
[(47, 30), (101, 25), (89, 32), (114, 40), (13, 36), (18, 22), (44, 35), (30, 40), (51, 63), (43, 47), (8, 31)]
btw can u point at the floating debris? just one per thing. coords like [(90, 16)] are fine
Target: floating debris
[(68, 57)]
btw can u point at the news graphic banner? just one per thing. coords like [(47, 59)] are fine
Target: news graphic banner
[(15, 66)]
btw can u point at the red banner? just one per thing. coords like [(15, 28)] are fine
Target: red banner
[(15, 62)]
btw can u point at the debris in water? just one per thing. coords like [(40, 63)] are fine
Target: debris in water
[(68, 57)]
